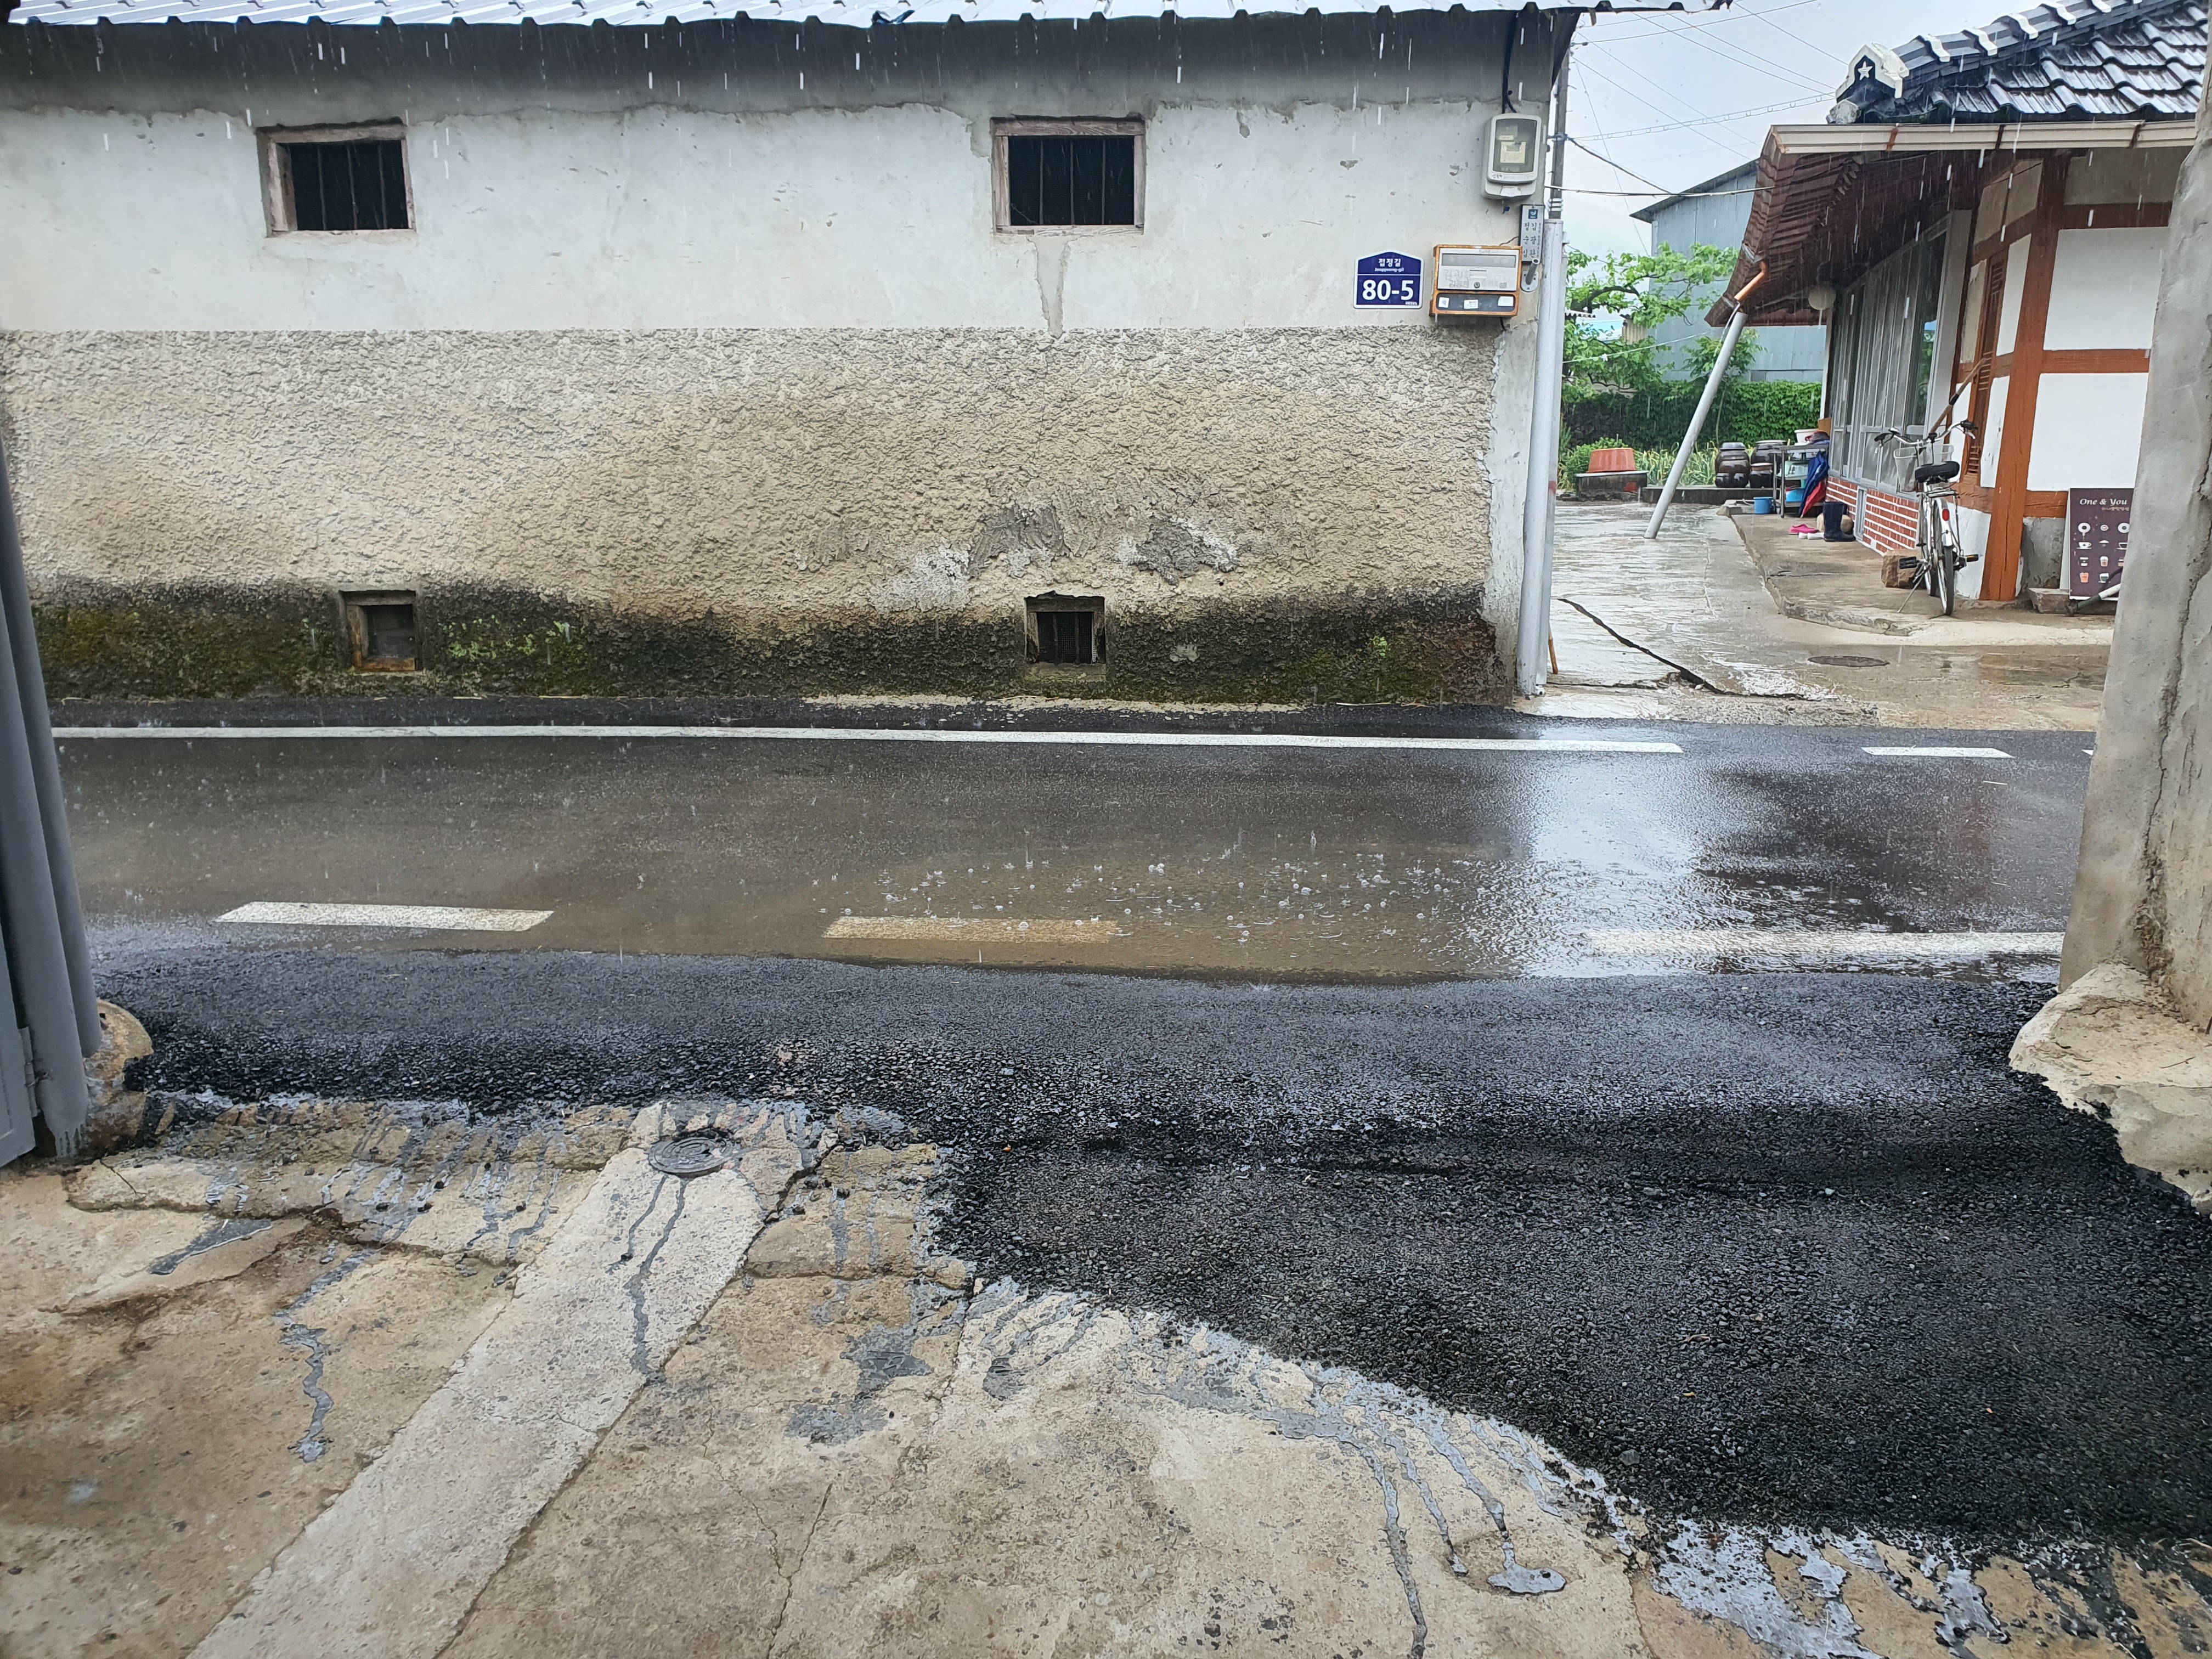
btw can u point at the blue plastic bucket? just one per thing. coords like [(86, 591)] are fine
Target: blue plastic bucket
[(1795, 498), (1762, 503)]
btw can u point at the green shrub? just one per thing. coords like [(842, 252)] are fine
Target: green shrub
[(1747, 411)]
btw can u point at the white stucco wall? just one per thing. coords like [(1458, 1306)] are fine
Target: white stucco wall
[(678, 218), (742, 357)]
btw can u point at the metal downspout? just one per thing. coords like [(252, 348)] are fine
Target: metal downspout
[(1540, 505)]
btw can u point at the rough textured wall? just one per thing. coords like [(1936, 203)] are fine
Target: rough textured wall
[(2143, 895), (1294, 514)]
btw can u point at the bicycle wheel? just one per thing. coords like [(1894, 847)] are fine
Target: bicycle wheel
[(1943, 577)]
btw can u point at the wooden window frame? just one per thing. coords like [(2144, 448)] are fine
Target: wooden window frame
[(277, 174), (1002, 213)]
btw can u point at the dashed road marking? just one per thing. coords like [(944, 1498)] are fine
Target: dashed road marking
[(972, 928), (1937, 752), (864, 734), (449, 917), (1828, 943)]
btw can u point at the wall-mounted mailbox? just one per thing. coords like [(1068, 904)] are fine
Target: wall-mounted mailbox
[(1477, 282)]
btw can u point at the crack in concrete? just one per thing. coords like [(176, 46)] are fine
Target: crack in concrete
[(799, 1561), (1683, 669)]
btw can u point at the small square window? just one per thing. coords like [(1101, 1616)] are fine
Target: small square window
[(336, 180), (380, 630), (1068, 175), (1067, 633)]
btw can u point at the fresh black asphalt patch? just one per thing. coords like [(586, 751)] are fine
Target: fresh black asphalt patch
[(1781, 1248)]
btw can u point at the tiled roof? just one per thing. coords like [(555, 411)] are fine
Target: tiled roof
[(856, 13), (2075, 60)]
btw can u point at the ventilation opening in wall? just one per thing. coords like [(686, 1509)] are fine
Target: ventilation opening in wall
[(380, 628), (1066, 632)]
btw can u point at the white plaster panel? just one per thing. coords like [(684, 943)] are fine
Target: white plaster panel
[(666, 217), (2015, 281), (2104, 290), (2088, 428), (2132, 176), (1973, 530), (1970, 325), (1993, 430)]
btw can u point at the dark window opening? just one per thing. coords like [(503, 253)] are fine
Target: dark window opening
[(1064, 636), (1090, 180), (381, 627), (358, 185), (391, 630), (1067, 632)]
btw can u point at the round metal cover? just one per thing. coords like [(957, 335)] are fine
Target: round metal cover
[(689, 1155)]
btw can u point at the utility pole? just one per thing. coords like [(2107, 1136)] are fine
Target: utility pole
[(46, 973), (1540, 506)]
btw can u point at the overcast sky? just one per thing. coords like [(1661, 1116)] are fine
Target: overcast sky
[(1678, 98)]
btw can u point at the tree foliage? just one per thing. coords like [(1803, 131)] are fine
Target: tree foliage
[(1615, 303)]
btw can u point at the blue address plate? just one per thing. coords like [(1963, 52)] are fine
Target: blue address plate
[(1388, 279)]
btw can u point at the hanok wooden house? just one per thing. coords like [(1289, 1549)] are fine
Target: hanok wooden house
[(1981, 225)]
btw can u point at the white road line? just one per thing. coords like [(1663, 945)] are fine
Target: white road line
[(1938, 752), (972, 928), (387, 915), (1828, 943), (864, 734)]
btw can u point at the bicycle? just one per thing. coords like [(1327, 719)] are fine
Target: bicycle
[(1937, 560)]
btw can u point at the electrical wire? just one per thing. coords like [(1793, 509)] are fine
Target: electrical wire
[(1698, 124), (1688, 27), (1704, 120), (1670, 195)]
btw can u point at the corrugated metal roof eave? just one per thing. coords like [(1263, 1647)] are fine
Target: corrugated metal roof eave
[(855, 14)]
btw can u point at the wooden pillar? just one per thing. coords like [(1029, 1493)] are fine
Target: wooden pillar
[(2008, 502)]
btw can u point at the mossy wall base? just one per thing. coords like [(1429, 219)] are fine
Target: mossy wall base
[(197, 641)]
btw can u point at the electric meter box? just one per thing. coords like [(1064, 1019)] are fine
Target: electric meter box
[(1477, 282), (1512, 159)]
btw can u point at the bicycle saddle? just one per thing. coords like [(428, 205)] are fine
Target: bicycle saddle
[(1936, 472)]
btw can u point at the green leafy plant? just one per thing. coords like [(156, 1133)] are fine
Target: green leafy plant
[(1659, 462)]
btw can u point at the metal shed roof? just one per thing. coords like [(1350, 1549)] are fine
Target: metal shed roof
[(855, 14)]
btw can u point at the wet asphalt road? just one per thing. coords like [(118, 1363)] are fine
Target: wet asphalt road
[(1777, 1247), (1259, 862), (1771, 1246)]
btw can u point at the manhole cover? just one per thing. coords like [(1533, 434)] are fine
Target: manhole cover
[(689, 1155), (1850, 662)]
